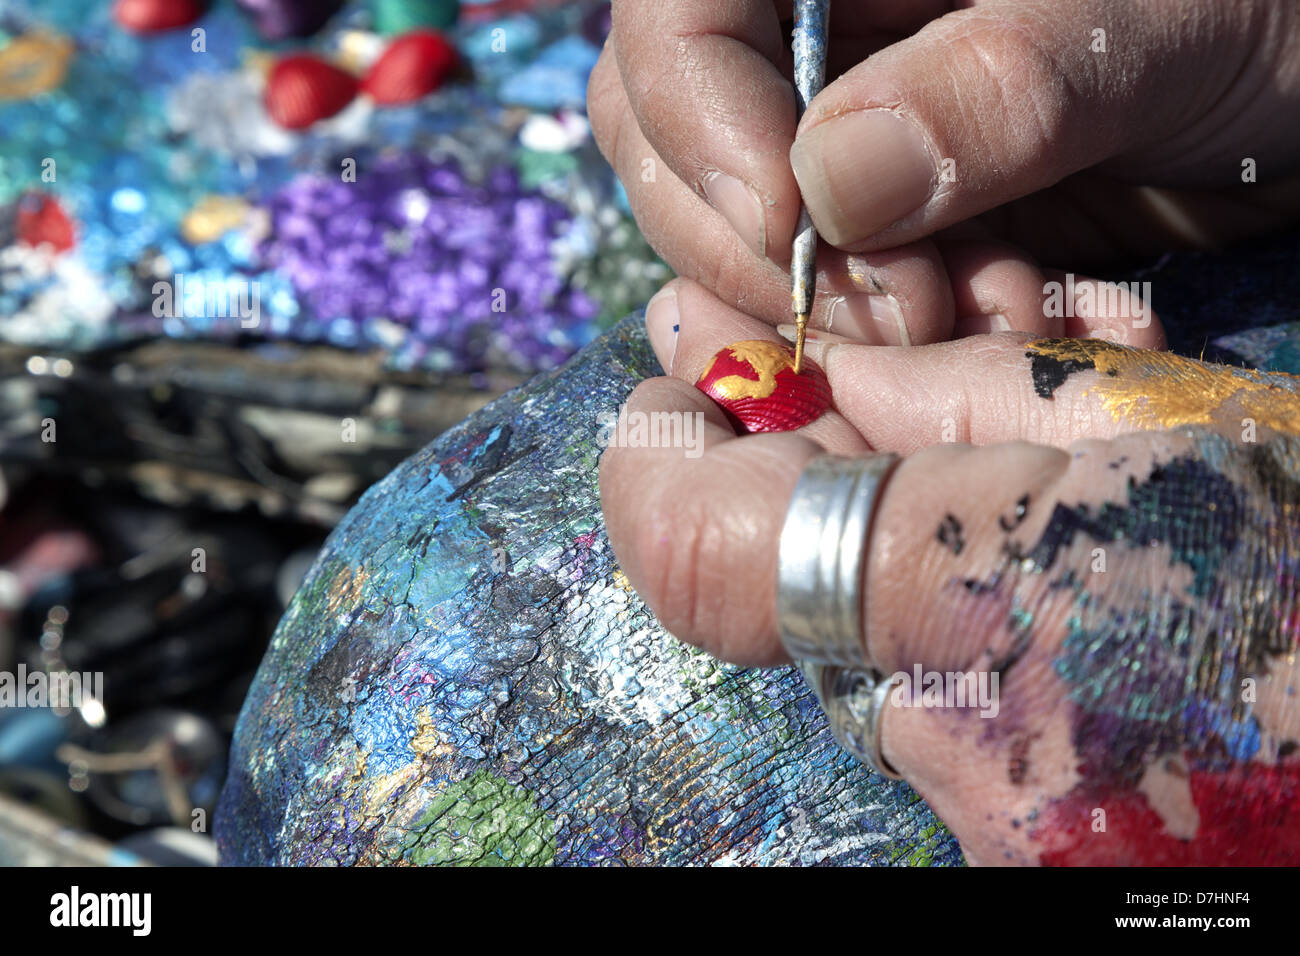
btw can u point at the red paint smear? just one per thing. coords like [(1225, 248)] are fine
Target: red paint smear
[(1249, 816), (42, 221)]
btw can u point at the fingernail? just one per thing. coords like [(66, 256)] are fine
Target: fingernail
[(662, 323), (873, 319), (861, 172), (790, 332), (967, 325), (740, 206)]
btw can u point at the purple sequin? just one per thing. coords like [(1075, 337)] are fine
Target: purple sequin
[(412, 242)]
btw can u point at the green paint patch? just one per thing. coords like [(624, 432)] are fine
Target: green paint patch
[(483, 821), (536, 168)]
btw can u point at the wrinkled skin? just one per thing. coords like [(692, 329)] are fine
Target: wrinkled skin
[(1134, 590), (1062, 156), (1108, 529)]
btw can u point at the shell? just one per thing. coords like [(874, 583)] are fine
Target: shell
[(302, 89), (153, 16), (414, 64), (42, 221), (755, 383)]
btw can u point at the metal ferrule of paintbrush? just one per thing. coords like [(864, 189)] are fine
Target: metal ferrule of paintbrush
[(811, 22)]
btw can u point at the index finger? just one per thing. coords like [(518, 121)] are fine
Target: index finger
[(710, 88), (704, 82)]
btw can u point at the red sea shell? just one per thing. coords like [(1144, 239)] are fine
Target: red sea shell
[(42, 221), (756, 383), (152, 16), (414, 64), (303, 89)]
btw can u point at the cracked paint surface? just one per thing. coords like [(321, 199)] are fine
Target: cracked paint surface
[(467, 678)]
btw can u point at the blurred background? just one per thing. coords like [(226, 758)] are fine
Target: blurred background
[(252, 255)]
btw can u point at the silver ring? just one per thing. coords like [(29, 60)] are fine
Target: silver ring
[(820, 583), (853, 701)]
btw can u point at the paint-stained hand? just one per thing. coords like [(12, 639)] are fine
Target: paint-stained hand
[(956, 147), (1103, 538)]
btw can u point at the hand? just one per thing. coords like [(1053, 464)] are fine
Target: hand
[(1117, 544), (955, 150)]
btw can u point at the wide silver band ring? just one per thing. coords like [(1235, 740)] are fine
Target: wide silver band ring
[(820, 592), (854, 703), (821, 576)]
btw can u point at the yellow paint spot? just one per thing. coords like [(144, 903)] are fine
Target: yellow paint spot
[(429, 745), (427, 741), (32, 64), (765, 358), (345, 590), (212, 217), (1161, 390)]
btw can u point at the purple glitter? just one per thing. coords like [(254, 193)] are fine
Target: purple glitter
[(464, 265)]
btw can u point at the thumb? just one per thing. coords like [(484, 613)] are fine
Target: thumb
[(989, 104)]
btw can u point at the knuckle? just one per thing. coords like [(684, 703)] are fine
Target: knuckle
[(1012, 61), (726, 269)]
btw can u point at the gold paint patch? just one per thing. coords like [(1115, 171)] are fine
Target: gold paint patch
[(765, 358), (1162, 390)]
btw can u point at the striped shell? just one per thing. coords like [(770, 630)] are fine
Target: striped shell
[(755, 383), (414, 64), (303, 89)]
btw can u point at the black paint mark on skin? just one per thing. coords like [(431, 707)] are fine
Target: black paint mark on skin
[(1169, 506), (1022, 509), (1024, 637), (949, 534), (1068, 580), (1049, 372), (1115, 465)]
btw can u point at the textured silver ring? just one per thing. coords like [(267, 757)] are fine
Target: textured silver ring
[(854, 701), (821, 576)]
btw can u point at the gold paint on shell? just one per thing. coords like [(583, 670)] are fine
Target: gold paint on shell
[(765, 358)]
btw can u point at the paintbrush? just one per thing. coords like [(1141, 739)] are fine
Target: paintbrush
[(811, 21)]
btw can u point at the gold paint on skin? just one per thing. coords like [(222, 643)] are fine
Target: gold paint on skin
[(765, 358), (1162, 390)]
